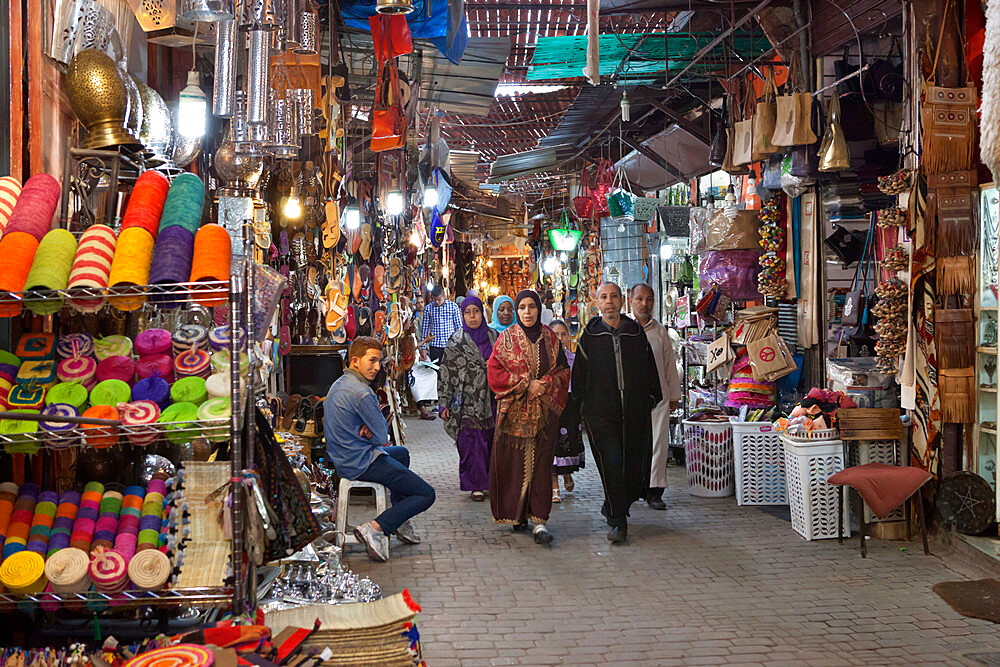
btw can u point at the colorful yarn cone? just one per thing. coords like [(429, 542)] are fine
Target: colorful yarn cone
[(130, 267), (40, 373), (10, 190), (161, 365), (211, 262), (139, 413), (110, 392), (218, 385), (153, 341), (219, 337), (149, 570), (183, 205), (23, 573), (107, 521), (8, 496), (109, 571), (54, 430), (70, 393), (112, 346), (41, 523), (62, 527), (189, 336), (86, 517), (127, 538), (171, 263), (75, 345), (216, 408), (192, 362), (20, 520), (182, 418), (189, 390), (117, 368), (154, 389), (35, 207), (17, 251), (35, 346), (50, 269), (78, 369), (92, 266), (145, 204), (102, 412), (68, 571)]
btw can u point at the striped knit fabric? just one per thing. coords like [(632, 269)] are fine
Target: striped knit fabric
[(92, 265)]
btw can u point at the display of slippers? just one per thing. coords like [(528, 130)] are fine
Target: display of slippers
[(378, 330), (365, 274), (336, 308), (378, 276), (339, 335), (351, 326), (364, 321), (356, 284), (365, 246), (395, 329), (290, 412)]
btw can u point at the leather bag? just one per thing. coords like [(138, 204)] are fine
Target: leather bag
[(388, 121), (793, 116), (764, 119)]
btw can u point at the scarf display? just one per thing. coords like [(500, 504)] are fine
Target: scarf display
[(495, 323)]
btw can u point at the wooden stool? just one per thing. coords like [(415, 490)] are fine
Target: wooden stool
[(344, 501)]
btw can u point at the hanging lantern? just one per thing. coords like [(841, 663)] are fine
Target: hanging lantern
[(257, 13), (291, 15), (133, 122), (308, 25), (304, 102), (223, 93), (210, 11), (282, 124), (99, 99), (394, 6), (243, 141), (257, 78), (157, 130)]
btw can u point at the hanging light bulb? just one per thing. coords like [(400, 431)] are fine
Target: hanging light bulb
[(621, 227), (430, 285), (192, 107), (626, 108), (444, 270), (751, 186), (550, 264), (730, 210), (666, 250), (352, 217), (394, 203), (293, 209), (489, 263), (415, 239), (494, 290), (430, 197)]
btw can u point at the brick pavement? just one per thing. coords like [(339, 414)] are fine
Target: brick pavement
[(704, 583)]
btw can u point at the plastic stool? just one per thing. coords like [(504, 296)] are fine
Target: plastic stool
[(344, 500)]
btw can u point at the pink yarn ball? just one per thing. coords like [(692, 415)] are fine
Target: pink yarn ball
[(116, 368)]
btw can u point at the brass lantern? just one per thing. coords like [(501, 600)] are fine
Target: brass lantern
[(394, 6), (99, 99)]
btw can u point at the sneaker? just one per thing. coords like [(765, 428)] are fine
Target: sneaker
[(406, 535), (372, 539), (541, 535)]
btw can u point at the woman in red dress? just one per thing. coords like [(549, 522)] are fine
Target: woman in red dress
[(529, 375)]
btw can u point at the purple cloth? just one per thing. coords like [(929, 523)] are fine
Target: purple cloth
[(480, 336), (474, 447)]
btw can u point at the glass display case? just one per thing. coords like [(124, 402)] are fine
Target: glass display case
[(987, 358)]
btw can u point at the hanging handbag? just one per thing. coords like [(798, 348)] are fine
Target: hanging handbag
[(770, 177), (793, 114), (388, 122), (603, 185), (952, 201), (443, 185), (845, 244), (727, 160), (583, 202), (621, 201), (717, 155), (390, 36), (763, 120), (855, 313), (834, 155), (743, 134), (645, 209), (884, 80), (948, 116), (956, 340)]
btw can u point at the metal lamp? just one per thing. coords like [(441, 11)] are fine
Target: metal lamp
[(210, 11), (99, 99), (394, 6)]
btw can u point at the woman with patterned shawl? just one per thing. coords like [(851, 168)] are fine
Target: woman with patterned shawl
[(467, 404), (530, 376)]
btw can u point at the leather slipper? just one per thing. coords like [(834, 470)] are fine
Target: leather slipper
[(365, 273), (366, 241), (351, 326), (331, 226), (364, 321), (379, 328), (395, 329), (379, 279)]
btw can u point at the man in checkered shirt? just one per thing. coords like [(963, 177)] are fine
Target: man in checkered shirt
[(441, 319)]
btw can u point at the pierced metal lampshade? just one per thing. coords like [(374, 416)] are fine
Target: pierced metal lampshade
[(133, 122), (259, 13), (244, 142), (278, 44), (394, 6), (291, 13), (308, 33), (210, 11), (283, 139), (257, 78), (238, 172), (99, 99), (157, 130), (304, 101), (80, 25), (223, 94)]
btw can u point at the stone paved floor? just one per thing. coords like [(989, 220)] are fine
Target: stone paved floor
[(704, 583)]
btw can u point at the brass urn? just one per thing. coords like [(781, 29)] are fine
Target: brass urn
[(99, 98)]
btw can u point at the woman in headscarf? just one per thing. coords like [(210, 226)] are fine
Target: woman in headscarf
[(529, 374), (569, 457), (466, 402), (503, 313)]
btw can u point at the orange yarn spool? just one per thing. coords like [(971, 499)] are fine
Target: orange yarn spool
[(211, 261), (101, 412), (17, 252), (145, 205), (133, 254)]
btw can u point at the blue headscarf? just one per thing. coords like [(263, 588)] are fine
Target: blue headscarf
[(495, 323)]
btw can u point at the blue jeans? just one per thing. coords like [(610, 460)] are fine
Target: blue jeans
[(409, 494)]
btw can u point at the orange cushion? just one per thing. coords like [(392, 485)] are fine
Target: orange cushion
[(882, 486)]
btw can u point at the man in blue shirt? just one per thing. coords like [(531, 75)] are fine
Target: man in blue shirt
[(357, 436), (440, 320)]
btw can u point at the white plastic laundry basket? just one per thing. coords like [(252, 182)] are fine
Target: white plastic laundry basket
[(813, 502), (889, 452), (708, 456), (760, 464)]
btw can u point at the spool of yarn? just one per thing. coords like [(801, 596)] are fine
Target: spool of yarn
[(9, 358), (130, 267), (154, 389), (220, 362), (68, 571), (149, 570), (41, 523), (171, 264), (8, 372), (145, 204), (8, 496), (74, 345), (102, 412), (62, 527), (189, 390), (112, 346), (17, 252), (116, 368), (153, 341), (219, 337), (20, 520), (86, 517), (71, 393), (215, 408), (50, 269), (55, 431), (178, 655), (36, 347), (10, 189), (25, 398), (160, 365), (190, 336), (192, 363), (35, 206), (139, 413), (180, 419), (23, 573), (218, 385), (211, 263), (20, 427), (108, 571), (43, 373), (92, 266), (128, 523), (82, 370), (183, 205), (110, 392), (107, 521)]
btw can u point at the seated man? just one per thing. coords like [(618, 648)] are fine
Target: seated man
[(356, 438)]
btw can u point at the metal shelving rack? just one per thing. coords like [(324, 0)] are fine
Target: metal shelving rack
[(236, 293)]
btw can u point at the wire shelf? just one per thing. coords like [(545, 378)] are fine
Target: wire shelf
[(171, 293), (209, 597), (81, 437)]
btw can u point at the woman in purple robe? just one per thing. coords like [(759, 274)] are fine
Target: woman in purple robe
[(467, 404)]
